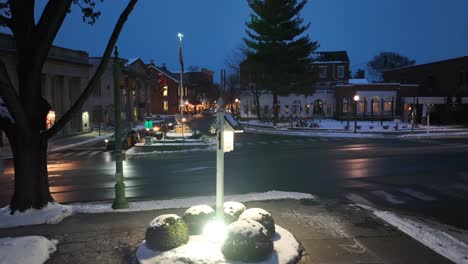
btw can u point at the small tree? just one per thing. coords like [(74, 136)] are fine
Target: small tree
[(27, 130), (387, 61), (360, 74), (279, 54)]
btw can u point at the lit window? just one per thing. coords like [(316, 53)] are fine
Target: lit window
[(165, 91), (323, 72), (286, 109), (387, 106), (307, 108), (166, 106), (345, 105), (340, 71)]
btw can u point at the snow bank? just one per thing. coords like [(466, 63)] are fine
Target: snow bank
[(437, 240), (53, 213), (204, 251), (26, 250)]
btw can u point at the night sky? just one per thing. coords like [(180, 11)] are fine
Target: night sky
[(424, 30)]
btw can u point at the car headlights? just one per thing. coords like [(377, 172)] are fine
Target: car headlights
[(106, 140)]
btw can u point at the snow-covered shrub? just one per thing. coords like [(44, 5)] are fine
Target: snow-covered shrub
[(166, 232), (247, 241), (197, 216), (232, 211), (261, 216)]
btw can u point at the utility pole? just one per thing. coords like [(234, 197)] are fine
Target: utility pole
[(181, 78), (220, 160), (120, 201)]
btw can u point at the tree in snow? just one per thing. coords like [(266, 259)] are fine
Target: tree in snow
[(278, 56), (27, 130), (387, 61)]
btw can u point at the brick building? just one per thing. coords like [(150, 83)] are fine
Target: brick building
[(165, 94)]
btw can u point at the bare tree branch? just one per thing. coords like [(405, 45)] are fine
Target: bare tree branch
[(97, 74), (10, 97), (48, 25)]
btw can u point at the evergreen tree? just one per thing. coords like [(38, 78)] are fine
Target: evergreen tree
[(278, 55)]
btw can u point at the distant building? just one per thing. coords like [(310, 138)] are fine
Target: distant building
[(165, 94), (330, 68), (64, 77), (443, 88)]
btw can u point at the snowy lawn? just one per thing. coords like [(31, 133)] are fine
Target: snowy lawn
[(437, 240), (38, 249), (201, 250), (55, 213)]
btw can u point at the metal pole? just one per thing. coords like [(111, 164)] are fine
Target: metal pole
[(428, 113), (355, 116), (181, 80), (120, 201), (220, 160)]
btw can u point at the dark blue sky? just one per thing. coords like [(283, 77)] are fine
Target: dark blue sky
[(424, 30)]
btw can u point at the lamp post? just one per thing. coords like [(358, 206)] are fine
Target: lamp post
[(220, 160), (356, 99), (120, 201), (181, 76)]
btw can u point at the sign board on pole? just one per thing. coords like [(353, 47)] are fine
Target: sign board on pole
[(228, 140)]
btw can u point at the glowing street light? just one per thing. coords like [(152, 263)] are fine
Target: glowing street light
[(356, 99)]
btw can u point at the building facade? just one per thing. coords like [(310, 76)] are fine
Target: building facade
[(165, 92)]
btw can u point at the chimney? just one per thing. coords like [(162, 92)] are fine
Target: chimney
[(163, 66)]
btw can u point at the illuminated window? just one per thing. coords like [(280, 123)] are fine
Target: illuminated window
[(388, 107), (286, 109), (307, 108), (166, 106), (165, 91), (360, 106), (376, 106), (296, 107), (345, 105)]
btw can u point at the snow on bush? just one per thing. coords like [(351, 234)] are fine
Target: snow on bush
[(197, 216), (261, 216), (232, 211), (247, 240), (166, 232)]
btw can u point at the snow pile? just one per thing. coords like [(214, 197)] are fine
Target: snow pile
[(162, 220), (187, 202), (199, 209), (437, 240), (204, 251), (53, 213), (247, 228), (37, 249), (232, 208)]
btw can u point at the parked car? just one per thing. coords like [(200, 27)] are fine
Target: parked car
[(207, 112), (129, 139)]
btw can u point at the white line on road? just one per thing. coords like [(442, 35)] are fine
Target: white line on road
[(276, 142), (238, 144), (83, 153), (357, 199), (263, 142), (416, 194), (324, 139), (311, 140), (68, 154), (194, 169), (94, 153), (388, 197)]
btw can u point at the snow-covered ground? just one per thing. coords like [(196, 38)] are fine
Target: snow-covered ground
[(38, 249), (201, 250), (54, 213), (434, 238)]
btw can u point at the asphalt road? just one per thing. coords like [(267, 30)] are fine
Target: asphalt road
[(423, 177)]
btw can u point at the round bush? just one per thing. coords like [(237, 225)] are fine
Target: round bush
[(232, 211), (261, 216), (247, 241), (196, 218), (166, 232)]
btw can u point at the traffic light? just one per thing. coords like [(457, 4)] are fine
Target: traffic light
[(148, 122)]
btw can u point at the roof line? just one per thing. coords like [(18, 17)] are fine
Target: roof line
[(428, 63), (159, 70)]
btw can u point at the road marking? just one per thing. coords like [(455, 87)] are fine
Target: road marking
[(388, 197), (94, 153), (83, 153), (311, 140), (357, 199), (250, 143), (68, 154), (54, 155), (416, 194), (445, 191), (238, 144), (276, 142), (194, 169), (263, 142), (324, 139)]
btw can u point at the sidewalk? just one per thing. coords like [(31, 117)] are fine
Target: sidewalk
[(329, 231)]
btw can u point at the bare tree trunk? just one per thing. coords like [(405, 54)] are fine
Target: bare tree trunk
[(31, 178), (275, 109)]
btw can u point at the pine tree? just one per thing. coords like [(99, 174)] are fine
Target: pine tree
[(278, 57)]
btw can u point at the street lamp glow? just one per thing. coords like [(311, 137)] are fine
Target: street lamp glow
[(356, 97), (237, 100), (215, 231), (183, 120)]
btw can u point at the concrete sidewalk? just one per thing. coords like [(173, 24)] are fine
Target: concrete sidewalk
[(329, 231)]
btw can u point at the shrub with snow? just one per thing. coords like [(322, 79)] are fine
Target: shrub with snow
[(166, 232), (261, 216), (232, 211), (247, 241), (197, 216)]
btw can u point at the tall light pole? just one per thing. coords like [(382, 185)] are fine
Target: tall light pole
[(181, 76), (356, 99), (220, 159), (120, 201)]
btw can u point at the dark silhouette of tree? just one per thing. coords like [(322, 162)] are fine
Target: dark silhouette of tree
[(387, 61), (278, 55), (360, 74), (27, 130)]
